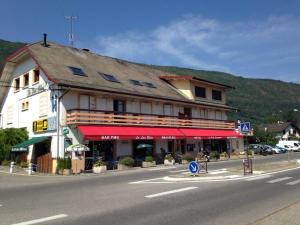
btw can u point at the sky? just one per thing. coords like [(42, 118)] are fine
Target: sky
[(254, 39)]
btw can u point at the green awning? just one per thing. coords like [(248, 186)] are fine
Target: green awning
[(24, 145)]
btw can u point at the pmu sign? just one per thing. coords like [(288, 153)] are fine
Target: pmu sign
[(40, 125)]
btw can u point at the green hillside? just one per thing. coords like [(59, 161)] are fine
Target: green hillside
[(257, 99)]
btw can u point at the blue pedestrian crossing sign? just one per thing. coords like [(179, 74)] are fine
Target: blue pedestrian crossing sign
[(193, 167), (245, 127)]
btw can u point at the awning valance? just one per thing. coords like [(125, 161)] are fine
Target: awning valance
[(128, 133), (210, 134), (24, 145)]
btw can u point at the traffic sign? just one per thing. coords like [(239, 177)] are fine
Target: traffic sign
[(193, 167), (245, 127)]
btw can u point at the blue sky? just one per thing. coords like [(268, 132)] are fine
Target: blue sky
[(258, 39)]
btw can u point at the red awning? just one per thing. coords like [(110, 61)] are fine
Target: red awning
[(127, 133), (209, 134)]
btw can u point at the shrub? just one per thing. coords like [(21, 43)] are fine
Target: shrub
[(127, 161), (5, 162), (149, 158), (224, 155), (99, 163), (68, 163), (188, 157), (214, 155), (24, 164), (169, 157)]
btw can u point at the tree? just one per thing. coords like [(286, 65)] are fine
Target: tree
[(261, 136)]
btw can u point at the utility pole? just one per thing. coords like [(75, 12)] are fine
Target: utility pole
[(71, 34)]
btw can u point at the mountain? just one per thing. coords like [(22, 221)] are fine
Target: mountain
[(258, 100)]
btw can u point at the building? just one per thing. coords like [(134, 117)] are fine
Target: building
[(64, 96), (283, 130)]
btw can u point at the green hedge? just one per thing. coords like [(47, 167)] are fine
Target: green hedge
[(127, 161)]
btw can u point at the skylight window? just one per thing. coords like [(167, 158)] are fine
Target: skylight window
[(150, 85), (109, 77), (136, 82), (77, 71)]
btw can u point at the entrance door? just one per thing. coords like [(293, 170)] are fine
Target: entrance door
[(43, 158)]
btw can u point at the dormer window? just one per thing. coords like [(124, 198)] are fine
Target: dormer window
[(109, 77), (200, 92), (77, 71), (17, 84), (216, 95), (26, 80), (36, 76)]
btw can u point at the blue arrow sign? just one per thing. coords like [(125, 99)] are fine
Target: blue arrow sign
[(193, 167), (245, 127)]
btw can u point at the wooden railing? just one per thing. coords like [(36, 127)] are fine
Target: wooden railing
[(131, 119)]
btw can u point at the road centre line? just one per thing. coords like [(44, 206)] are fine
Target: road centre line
[(170, 192), (294, 182), (278, 180), (45, 219)]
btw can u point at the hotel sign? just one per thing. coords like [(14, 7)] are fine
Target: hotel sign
[(40, 125)]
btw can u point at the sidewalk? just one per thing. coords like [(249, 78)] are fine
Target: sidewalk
[(286, 215)]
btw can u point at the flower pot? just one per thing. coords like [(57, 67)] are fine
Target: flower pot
[(67, 172), (123, 167), (148, 164), (169, 163), (99, 169)]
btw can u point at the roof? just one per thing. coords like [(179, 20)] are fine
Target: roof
[(277, 127), (55, 60)]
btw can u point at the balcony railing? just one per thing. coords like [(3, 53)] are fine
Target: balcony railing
[(89, 117)]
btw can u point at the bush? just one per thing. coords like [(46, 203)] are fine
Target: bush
[(224, 155), (99, 163), (214, 155), (169, 157), (149, 158), (188, 157), (24, 164), (68, 163), (5, 162), (127, 161)]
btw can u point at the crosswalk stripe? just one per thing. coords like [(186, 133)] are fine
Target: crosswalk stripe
[(258, 178), (294, 182), (278, 180)]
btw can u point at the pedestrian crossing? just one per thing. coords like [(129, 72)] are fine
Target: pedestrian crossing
[(270, 179)]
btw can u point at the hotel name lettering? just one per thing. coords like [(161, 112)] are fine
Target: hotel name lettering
[(40, 125)]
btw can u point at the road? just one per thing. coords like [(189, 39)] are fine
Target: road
[(113, 198)]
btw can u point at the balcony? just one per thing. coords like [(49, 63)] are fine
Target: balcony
[(93, 117)]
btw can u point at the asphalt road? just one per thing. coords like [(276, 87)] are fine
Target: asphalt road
[(113, 198)]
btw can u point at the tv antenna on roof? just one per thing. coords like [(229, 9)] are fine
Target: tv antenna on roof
[(71, 34)]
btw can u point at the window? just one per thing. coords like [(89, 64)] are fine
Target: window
[(10, 114), (216, 95), (109, 77), (17, 84), (200, 92), (26, 80), (25, 105), (119, 106), (149, 85), (36, 76), (77, 71), (136, 82), (43, 105)]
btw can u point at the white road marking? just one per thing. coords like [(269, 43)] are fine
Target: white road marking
[(259, 178), (279, 180), (218, 172), (1, 205), (162, 168), (294, 182), (170, 192), (144, 181), (45, 219), (177, 171)]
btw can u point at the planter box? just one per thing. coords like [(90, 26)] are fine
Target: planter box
[(123, 167), (99, 169), (67, 172), (148, 164), (168, 163)]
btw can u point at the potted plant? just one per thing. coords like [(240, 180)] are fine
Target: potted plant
[(99, 167), (214, 155), (224, 156), (169, 160), (187, 158), (148, 162), (67, 166), (125, 163)]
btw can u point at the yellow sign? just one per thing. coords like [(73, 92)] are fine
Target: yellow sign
[(40, 125)]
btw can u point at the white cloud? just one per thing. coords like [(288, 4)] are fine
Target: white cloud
[(252, 47)]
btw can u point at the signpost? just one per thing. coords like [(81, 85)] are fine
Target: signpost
[(245, 127), (193, 167)]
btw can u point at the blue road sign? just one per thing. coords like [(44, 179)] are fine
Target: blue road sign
[(193, 167), (245, 127)]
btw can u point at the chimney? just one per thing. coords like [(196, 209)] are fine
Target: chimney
[(45, 40)]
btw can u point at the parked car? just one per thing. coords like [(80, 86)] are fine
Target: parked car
[(256, 148), (269, 149), (282, 150)]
